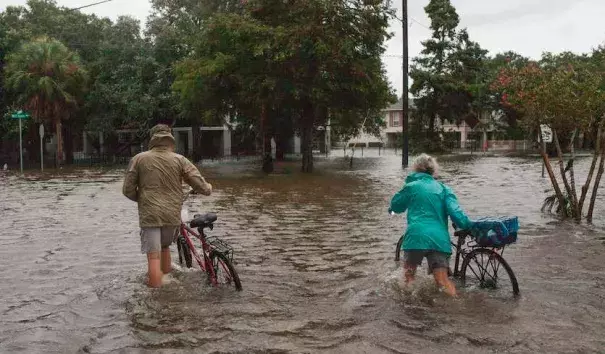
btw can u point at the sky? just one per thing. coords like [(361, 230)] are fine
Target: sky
[(529, 27)]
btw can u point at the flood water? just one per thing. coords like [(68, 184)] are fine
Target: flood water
[(315, 255)]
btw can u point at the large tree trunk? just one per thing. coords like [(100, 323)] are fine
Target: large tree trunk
[(307, 140), (280, 147), (595, 157), (69, 144), (267, 157), (196, 135), (32, 143), (267, 148), (59, 136), (265, 131), (568, 188), (431, 127)]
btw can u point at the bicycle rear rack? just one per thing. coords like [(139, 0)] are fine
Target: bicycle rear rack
[(221, 246)]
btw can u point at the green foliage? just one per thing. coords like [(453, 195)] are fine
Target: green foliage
[(448, 76), (124, 93), (45, 78), (552, 203), (306, 62)]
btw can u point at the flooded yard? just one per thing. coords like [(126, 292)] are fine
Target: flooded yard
[(315, 255)]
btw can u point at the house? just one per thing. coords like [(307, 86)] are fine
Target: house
[(217, 141), (394, 122), (458, 136), (393, 117)]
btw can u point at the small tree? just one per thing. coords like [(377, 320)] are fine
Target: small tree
[(564, 94)]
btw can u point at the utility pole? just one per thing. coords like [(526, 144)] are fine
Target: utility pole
[(406, 108)]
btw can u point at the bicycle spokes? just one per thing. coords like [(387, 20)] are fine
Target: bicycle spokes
[(221, 272), (485, 269)]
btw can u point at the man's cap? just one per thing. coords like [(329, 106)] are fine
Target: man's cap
[(160, 128)]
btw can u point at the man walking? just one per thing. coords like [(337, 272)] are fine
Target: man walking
[(154, 180)]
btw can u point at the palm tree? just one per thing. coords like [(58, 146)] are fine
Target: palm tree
[(46, 78)]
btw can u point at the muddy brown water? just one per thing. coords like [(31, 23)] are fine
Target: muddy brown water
[(315, 254)]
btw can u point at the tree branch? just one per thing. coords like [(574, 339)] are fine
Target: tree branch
[(595, 156)]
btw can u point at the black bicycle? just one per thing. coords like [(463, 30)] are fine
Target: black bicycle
[(482, 267)]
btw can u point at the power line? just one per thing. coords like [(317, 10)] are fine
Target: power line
[(420, 23), (413, 20), (89, 5)]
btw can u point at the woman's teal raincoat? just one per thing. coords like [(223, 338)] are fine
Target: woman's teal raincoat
[(428, 203)]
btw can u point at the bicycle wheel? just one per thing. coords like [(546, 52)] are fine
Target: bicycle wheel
[(224, 271), (184, 252), (483, 268), (398, 249)]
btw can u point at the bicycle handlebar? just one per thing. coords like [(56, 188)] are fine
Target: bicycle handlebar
[(187, 194)]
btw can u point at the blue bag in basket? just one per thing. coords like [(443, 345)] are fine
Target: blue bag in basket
[(495, 231)]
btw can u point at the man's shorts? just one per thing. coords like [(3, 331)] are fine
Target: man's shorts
[(154, 239), (435, 259)]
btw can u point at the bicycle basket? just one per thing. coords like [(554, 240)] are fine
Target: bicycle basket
[(221, 246), (495, 231)]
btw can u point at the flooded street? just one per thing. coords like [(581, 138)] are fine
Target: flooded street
[(315, 255)]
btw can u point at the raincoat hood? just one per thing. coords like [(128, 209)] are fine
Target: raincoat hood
[(161, 139), (417, 176)]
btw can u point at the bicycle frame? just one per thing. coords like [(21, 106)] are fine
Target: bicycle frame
[(462, 251), (205, 264), (207, 248)]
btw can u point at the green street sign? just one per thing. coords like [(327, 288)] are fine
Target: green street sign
[(20, 115)]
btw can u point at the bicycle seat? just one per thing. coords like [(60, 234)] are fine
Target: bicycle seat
[(203, 220), (462, 233)]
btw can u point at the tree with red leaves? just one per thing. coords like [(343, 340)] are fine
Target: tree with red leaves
[(565, 93)]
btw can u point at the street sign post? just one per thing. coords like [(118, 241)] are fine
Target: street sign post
[(41, 131), (20, 115), (546, 134)]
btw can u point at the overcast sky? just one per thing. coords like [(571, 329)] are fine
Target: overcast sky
[(529, 27)]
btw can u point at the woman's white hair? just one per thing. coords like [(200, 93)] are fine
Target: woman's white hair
[(426, 164)]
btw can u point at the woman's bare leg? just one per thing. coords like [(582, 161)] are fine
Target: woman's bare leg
[(442, 280), (409, 272)]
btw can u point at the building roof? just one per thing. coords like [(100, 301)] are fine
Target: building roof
[(399, 105)]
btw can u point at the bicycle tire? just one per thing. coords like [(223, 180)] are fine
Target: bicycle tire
[(215, 259), (184, 252), (398, 249), (493, 255)]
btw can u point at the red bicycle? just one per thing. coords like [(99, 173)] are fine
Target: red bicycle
[(216, 256)]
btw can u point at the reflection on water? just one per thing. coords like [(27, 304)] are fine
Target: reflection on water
[(315, 254)]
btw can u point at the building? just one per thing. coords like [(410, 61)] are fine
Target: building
[(393, 117), (216, 142), (461, 136), (394, 122)]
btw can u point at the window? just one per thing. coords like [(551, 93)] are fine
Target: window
[(395, 119)]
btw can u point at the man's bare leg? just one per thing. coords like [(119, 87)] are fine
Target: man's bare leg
[(154, 270), (442, 280), (166, 261)]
